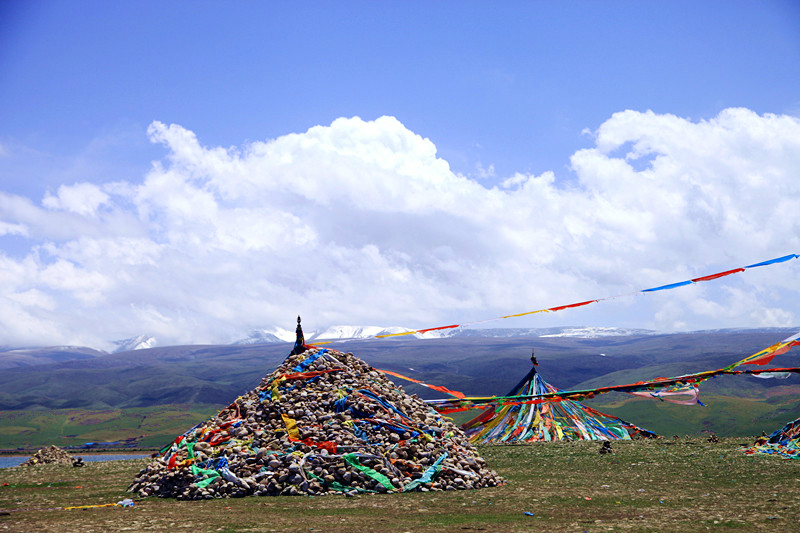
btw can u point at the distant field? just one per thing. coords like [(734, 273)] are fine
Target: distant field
[(722, 415), (152, 427), (661, 485)]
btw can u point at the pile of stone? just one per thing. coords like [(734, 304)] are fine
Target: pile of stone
[(50, 455), (322, 422)]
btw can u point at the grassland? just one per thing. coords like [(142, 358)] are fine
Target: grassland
[(659, 485), (152, 427)]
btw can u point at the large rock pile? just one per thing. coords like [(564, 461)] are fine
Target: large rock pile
[(323, 422), (50, 455)]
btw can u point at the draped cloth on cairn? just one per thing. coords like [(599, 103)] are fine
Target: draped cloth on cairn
[(546, 420), (323, 421), (784, 442)]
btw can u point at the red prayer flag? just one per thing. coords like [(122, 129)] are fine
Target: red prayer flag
[(571, 305), (435, 329), (719, 275)]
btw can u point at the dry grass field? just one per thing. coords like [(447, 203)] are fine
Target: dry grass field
[(659, 485)]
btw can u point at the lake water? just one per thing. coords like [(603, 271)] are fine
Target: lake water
[(8, 462)]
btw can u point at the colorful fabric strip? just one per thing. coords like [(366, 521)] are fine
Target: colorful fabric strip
[(718, 275), (291, 427), (309, 360), (670, 286), (562, 307), (438, 388), (353, 461), (773, 261), (429, 474), (765, 356)]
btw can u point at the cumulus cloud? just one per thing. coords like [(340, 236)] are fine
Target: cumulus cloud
[(360, 222), (81, 198)]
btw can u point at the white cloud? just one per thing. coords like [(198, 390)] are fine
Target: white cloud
[(360, 222), (12, 229), (81, 198), (34, 298)]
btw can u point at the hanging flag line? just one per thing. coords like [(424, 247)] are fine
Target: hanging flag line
[(675, 385), (767, 354), (684, 382), (709, 277), (439, 388)]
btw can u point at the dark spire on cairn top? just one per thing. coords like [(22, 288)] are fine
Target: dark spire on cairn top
[(299, 343)]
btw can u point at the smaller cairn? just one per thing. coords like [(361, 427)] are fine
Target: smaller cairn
[(713, 439), (760, 441), (50, 455)]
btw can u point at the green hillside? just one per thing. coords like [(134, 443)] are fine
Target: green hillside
[(150, 427)]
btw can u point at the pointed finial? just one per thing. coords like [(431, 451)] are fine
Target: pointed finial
[(299, 344)]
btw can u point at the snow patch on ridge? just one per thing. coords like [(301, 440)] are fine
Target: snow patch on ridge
[(267, 336), (140, 342), (597, 331)]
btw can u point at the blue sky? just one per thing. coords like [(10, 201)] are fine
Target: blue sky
[(496, 184)]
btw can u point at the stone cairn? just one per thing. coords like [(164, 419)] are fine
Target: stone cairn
[(323, 422), (49, 455)]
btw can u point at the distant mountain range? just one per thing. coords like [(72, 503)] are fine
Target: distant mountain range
[(22, 357), (32, 356), (48, 355), (95, 385), (265, 336)]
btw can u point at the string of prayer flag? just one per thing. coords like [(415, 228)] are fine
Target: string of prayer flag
[(709, 277)]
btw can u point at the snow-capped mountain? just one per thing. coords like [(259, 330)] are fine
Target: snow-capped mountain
[(141, 342), (353, 332), (264, 336), (267, 336)]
